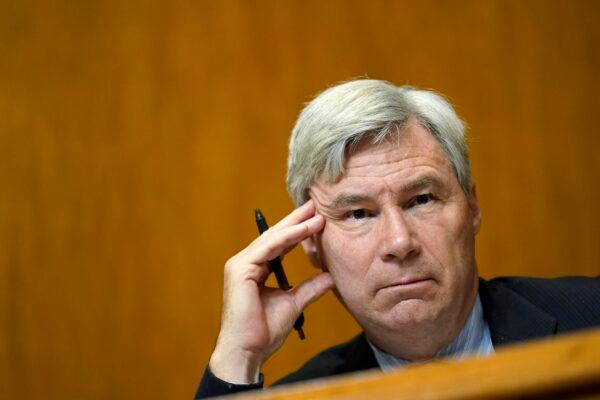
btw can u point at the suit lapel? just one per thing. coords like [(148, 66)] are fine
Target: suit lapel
[(360, 356), (511, 317)]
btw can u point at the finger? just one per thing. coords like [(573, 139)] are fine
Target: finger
[(267, 247), (312, 289), (292, 247), (300, 214)]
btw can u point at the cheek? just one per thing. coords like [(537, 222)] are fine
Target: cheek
[(440, 233), (450, 241), (347, 258)]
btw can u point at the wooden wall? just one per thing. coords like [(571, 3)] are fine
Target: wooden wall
[(137, 137)]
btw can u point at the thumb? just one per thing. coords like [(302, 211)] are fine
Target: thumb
[(312, 289)]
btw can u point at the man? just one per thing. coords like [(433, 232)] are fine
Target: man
[(388, 212)]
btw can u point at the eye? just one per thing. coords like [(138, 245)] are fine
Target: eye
[(421, 199), (358, 214)]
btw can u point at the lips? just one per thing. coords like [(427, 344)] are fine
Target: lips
[(408, 283)]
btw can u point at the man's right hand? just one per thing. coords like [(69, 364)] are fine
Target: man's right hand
[(256, 319)]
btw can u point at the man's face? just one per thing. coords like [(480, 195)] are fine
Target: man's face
[(399, 238)]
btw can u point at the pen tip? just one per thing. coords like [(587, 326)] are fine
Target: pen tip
[(257, 213), (301, 334)]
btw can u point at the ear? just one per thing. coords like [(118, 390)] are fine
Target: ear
[(475, 210), (311, 249)]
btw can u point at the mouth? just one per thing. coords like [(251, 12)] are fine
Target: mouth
[(409, 283)]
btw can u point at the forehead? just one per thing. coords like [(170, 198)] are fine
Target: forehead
[(413, 147), (394, 163), (412, 144)]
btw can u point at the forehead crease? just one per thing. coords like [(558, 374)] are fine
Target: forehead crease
[(388, 166), (409, 145), (390, 157)]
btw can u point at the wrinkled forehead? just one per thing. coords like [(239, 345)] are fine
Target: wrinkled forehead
[(374, 156), (411, 144), (400, 160)]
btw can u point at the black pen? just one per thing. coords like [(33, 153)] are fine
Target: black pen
[(277, 269)]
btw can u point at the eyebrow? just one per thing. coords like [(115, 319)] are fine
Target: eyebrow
[(421, 182), (345, 199), (348, 199)]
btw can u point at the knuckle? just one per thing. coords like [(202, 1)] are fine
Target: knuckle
[(289, 241), (305, 227), (270, 248)]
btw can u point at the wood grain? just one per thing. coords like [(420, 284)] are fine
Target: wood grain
[(567, 368), (137, 137)]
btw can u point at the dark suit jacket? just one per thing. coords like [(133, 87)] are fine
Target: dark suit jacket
[(516, 309)]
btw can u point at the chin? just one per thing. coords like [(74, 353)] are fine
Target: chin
[(408, 313)]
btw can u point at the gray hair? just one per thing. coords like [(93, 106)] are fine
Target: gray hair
[(342, 115)]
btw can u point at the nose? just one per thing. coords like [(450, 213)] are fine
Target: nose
[(398, 239)]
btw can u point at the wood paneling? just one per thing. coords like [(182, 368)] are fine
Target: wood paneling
[(137, 137)]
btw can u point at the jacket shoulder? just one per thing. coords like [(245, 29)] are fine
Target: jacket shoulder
[(572, 300)]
